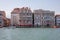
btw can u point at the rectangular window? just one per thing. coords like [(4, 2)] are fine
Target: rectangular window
[(0, 14), (0, 22)]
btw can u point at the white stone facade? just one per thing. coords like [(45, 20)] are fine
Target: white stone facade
[(44, 18), (15, 19)]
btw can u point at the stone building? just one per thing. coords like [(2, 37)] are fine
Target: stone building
[(2, 18), (25, 16), (57, 21), (15, 17), (37, 18), (44, 18)]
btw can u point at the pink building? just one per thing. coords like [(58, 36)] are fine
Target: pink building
[(25, 16), (2, 18), (21, 16)]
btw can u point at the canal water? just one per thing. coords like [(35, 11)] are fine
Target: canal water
[(29, 34)]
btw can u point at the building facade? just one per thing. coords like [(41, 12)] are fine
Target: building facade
[(37, 18), (57, 21), (45, 18), (25, 16), (48, 18), (2, 18), (7, 22), (15, 17), (21, 16)]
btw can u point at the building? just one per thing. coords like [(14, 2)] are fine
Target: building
[(7, 22), (2, 18), (25, 17), (48, 18), (15, 17), (37, 18), (21, 16), (57, 21), (44, 18)]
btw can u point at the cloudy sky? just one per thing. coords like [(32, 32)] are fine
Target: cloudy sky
[(9, 5)]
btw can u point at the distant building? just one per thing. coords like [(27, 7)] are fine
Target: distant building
[(57, 20), (48, 18), (25, 16), (37, 18), (21, 16), (44, 18), (2, 18), (8, 22), (15, 17)]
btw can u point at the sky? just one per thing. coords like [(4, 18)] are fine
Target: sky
[(9, 5)]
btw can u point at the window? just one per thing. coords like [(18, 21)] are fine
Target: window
[(0, 14), (28, 21), (28, 13), (47, 17), (37, 16), (0, 22)]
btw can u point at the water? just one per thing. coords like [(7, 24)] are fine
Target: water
[(29, 34)]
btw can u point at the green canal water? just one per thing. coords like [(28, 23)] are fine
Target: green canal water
[(29, 33)]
